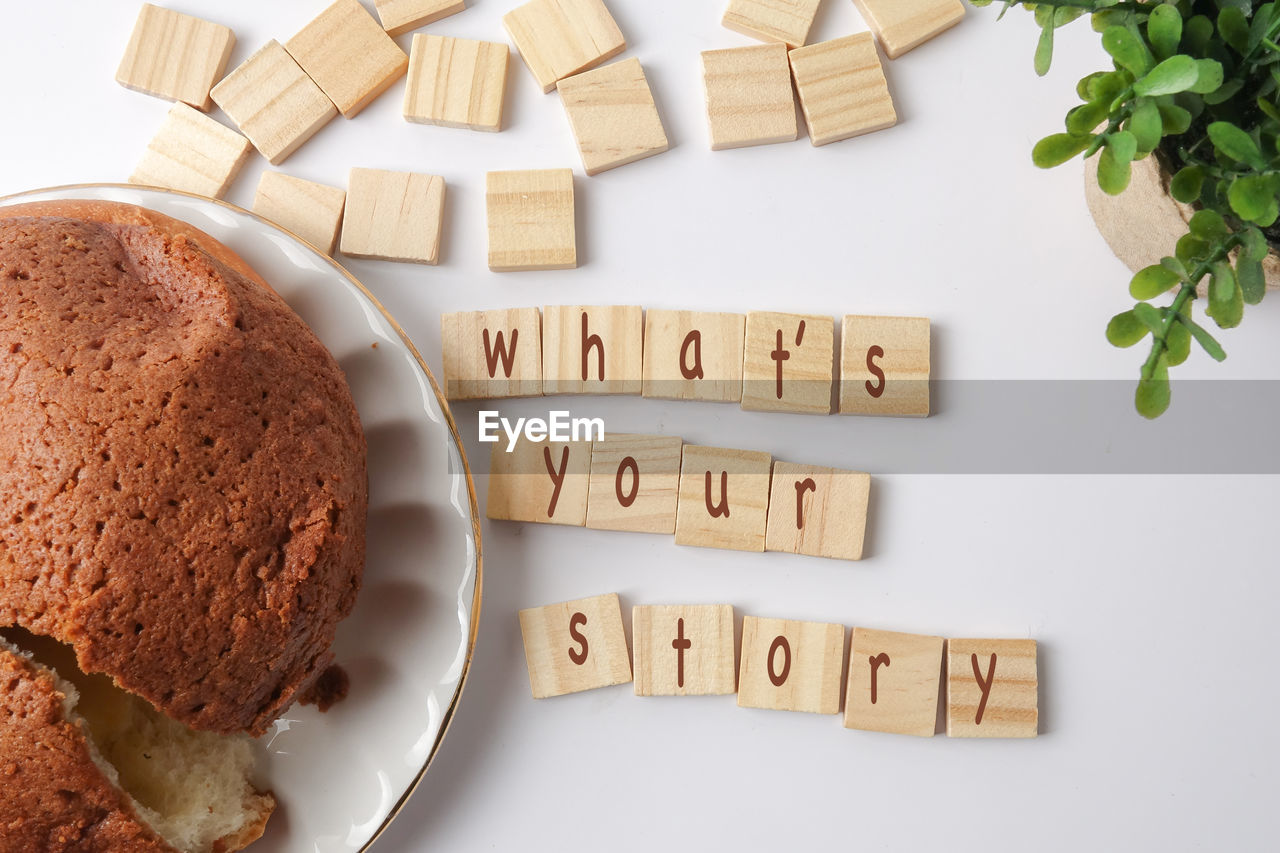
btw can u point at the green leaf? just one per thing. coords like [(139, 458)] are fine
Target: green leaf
[(1125, 329), (1236, 144), (1209, 76), (1262, 17), (1176, 74), (1145, 125), (1113, 172), (1127, 50), (1253, 284), (1176, 267), (1196, 33), (1268, 108), (1178, 343), (1208, 225), (1226, 300), (1044, 49), (1234, 29), (1255, 246), (1083, 119), (1190, 248), (1186, 184), (1057, 149), (1123, 145), (1150, 282), (1253, 199), (1082, 86), (1207, 342), (1164, 30), (1109, 86), (1225, 92), (1176, 120), (1153, 394)]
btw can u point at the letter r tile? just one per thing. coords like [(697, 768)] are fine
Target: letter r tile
[(575, 646), (820, 512), (893, 682), (790, 666)]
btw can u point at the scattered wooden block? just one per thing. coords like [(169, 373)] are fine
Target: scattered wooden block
[(592, 350), (531, 220), (543, 482), (491, 354), (193, 153), (456, 82), (749, 99), (683, 650), (724, 498), (310, 210), (992, 688), (788, 363), (273, 102), (690, 355), (349, 56), (400, 16), (786, 21), (635, 480), (893, 682), (884, 366), (613, 116), (559, 38), (393, 216), (821, 512), (842, 88), (791, 666), (575, 646), (175, 56), (903, 24)]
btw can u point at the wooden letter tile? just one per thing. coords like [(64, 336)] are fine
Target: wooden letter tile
[(175, 56), (400, 16), (842, 88), (393, 216), (904, 24), (749, 99), (456, 82), (559, 38), (490, 354), (310, 210), (724, 498), (992, 688), (193, 153), (613, 116), (349, 55), (531, 221), (788, 363), (786, 21), (541, 481), (274, 102), (791, 666), (683, 650), (634, 483), (592, 350), (884, 366), (575, 646), (893, 683), (690, 355), (821, 512)]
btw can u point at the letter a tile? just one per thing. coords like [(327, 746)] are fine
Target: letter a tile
[(683, 650), (791, 666), (575, 646)]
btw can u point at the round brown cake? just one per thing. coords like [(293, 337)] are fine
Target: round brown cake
[(183, 481)]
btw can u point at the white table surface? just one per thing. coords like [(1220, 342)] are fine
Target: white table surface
[(1153, 597)]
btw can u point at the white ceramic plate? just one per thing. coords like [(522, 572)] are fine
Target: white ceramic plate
[(340, 777)]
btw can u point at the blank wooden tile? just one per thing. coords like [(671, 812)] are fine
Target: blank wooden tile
[(893, 682), (592, 349), (634, 484), (193, 153), (400, 16), (683, 650), (791, 666), (724, 498), (749, 98), (691, 355), (821, 512), (559, 38), (456, 82), (786, 21), (273, 102), (613, 116), (349, 55), (531, 220), (903, 24), (842, 88), (575, 646), (393, 216), (788, 363), (884, 366), (175, 56), (491, 354), (539, 481), (1007, 668), (310, 210)]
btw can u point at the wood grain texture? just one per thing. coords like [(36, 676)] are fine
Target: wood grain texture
[(310, 210), (791, 666), (786, 21), (273, 102), (531, 220), (635, 481), (885, 366), (749, 97), (613, 116), (393, 216), (575, 646), (193, 153), (543, 482), (559, 38), (1012, 706), (456, 82), (683, 650), (592, 349), (842, 89), (400, 16), (175, 56), (692, 355), (492, 354), (893, 682), (349, 56), (724, 498), (820, 512), (903, 24), (788, 363)]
